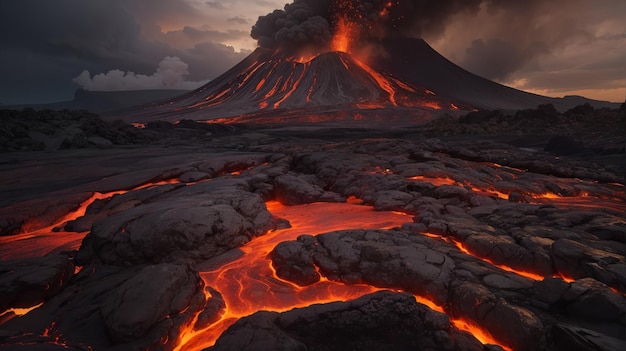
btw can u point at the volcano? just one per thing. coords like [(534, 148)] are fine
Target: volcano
[(406, 77), (274, 83)]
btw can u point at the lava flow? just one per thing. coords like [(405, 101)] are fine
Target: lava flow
[(51, 237), (249, 283)]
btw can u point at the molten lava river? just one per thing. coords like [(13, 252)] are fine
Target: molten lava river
[(249, 283)]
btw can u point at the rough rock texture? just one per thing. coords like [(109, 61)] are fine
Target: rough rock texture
[(26, 283), (528, 245), (502, 302), (380, 321), (142, 307), (152, 296), (196, 222)]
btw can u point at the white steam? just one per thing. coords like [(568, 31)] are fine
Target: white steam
[(170, 75)]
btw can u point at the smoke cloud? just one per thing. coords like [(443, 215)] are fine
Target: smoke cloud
[(170, 74), (312, 22)]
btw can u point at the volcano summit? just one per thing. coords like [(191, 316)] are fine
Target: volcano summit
[(404, 77)]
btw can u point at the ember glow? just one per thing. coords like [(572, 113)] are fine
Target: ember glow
[(36, 239), (249, 283), (342, 39)]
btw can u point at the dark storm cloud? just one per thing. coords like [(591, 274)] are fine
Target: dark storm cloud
[(313, 21), (497, 39), (44, 40), (497, 59), (515, 34), (300, 23)]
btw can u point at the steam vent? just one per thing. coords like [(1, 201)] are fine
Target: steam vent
[(344, 187)]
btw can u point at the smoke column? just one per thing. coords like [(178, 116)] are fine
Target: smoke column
[(313, 22)]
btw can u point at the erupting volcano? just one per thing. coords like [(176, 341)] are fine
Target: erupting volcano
[(353, 64)]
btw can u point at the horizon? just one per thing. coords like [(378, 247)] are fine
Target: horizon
[(170, 46)]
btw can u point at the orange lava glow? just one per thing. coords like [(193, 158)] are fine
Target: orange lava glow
[(462, 324), (249, 283), (479, 333), (341, 40), (15, 312), (381, 81), (435, 181), (36, 240), (506, 268)]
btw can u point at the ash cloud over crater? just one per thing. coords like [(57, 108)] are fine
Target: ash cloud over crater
[(513, 42), (312, 22)]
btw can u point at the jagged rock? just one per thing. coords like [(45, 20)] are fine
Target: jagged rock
[(294, 190), (572, 338), (213, 310), (153, 295), (379, 321), (113, 308), (390, 200), (191, 177), (195, 222), (519, 327), (29, 282), (577, 260)]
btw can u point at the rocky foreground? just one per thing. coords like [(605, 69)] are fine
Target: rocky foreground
[(525, 244)]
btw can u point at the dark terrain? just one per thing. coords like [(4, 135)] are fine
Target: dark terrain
[(515, 223)]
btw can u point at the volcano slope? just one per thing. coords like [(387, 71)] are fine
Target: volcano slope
[(270, 84), (315, 237)]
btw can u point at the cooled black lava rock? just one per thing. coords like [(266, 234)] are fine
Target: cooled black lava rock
[(377, 322)]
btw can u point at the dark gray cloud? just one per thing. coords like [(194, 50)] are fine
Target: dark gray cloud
[(509, 41), (47, 43), (533, 44), (545, 46)]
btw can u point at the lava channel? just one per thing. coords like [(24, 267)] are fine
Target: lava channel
[(249, 283)]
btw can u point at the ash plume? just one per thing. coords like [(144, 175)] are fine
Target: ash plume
[(313, 22)]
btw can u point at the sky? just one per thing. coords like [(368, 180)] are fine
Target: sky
[(50, 48)]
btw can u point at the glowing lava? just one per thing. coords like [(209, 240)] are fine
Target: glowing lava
[(36, 240), (249, 283), (344, 33)]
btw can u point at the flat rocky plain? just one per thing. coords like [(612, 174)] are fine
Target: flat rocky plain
[(513, 226)]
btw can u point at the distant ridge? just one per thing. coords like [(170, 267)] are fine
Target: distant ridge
[(105, 101), (417, 62), (409, 79)]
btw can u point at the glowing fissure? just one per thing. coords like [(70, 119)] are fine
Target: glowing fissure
[(50, 235), (582, 200), (381, 81), (15, 312), (294, 86), (250, 74), (249, 283)]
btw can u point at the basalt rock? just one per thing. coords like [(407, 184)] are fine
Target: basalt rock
[(195, 222), (29, 282), (110, 308), (379, 321)]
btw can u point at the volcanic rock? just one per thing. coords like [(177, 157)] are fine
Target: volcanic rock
[(196, 222), (294, 190), (151, 297), (378, 321), (26, 283), (564, 145), (568, 337)]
